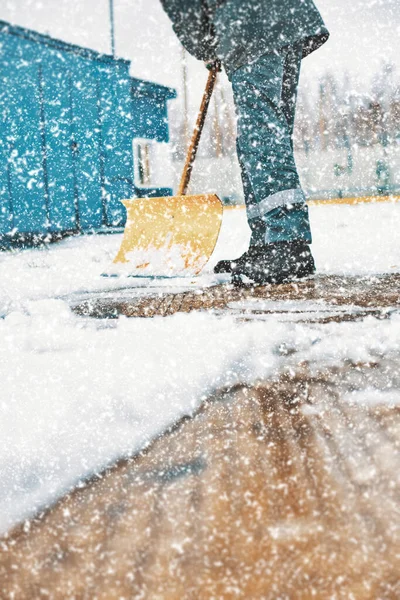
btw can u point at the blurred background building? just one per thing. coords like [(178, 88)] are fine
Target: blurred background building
[(348, 122)]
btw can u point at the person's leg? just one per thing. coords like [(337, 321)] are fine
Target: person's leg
[(256, 225), (290, 222), (290, 83), (265, 98)]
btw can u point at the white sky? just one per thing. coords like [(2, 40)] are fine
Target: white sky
[(363, 34)]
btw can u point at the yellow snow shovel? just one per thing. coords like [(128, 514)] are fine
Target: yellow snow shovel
[(173, 236)]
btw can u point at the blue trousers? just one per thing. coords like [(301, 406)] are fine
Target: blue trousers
[(265, 94)]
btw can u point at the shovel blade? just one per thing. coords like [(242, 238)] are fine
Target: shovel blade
[(172, 236)]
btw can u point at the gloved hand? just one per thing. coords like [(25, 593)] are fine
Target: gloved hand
[(213, 64)]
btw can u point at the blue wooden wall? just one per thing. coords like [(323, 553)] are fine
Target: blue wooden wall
[(68, 117)]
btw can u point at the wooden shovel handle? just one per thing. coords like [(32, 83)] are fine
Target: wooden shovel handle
[(191, 155)]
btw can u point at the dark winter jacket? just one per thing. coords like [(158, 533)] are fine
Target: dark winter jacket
[(240, 31)]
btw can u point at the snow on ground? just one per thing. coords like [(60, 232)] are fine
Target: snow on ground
[(76, 394), (347, 240), (356, 240)]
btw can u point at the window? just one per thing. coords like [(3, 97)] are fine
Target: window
[(153, 164)]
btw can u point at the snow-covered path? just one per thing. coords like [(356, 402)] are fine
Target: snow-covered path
[(76, 394)]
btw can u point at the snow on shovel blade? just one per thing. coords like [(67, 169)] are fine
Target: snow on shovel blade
[(172, 236)]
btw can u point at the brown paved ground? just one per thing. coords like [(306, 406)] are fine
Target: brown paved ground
[(282, 491), (287, 490), (371, 293)]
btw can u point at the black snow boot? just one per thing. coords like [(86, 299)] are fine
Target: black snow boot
[(226, 266), (280, 262)]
